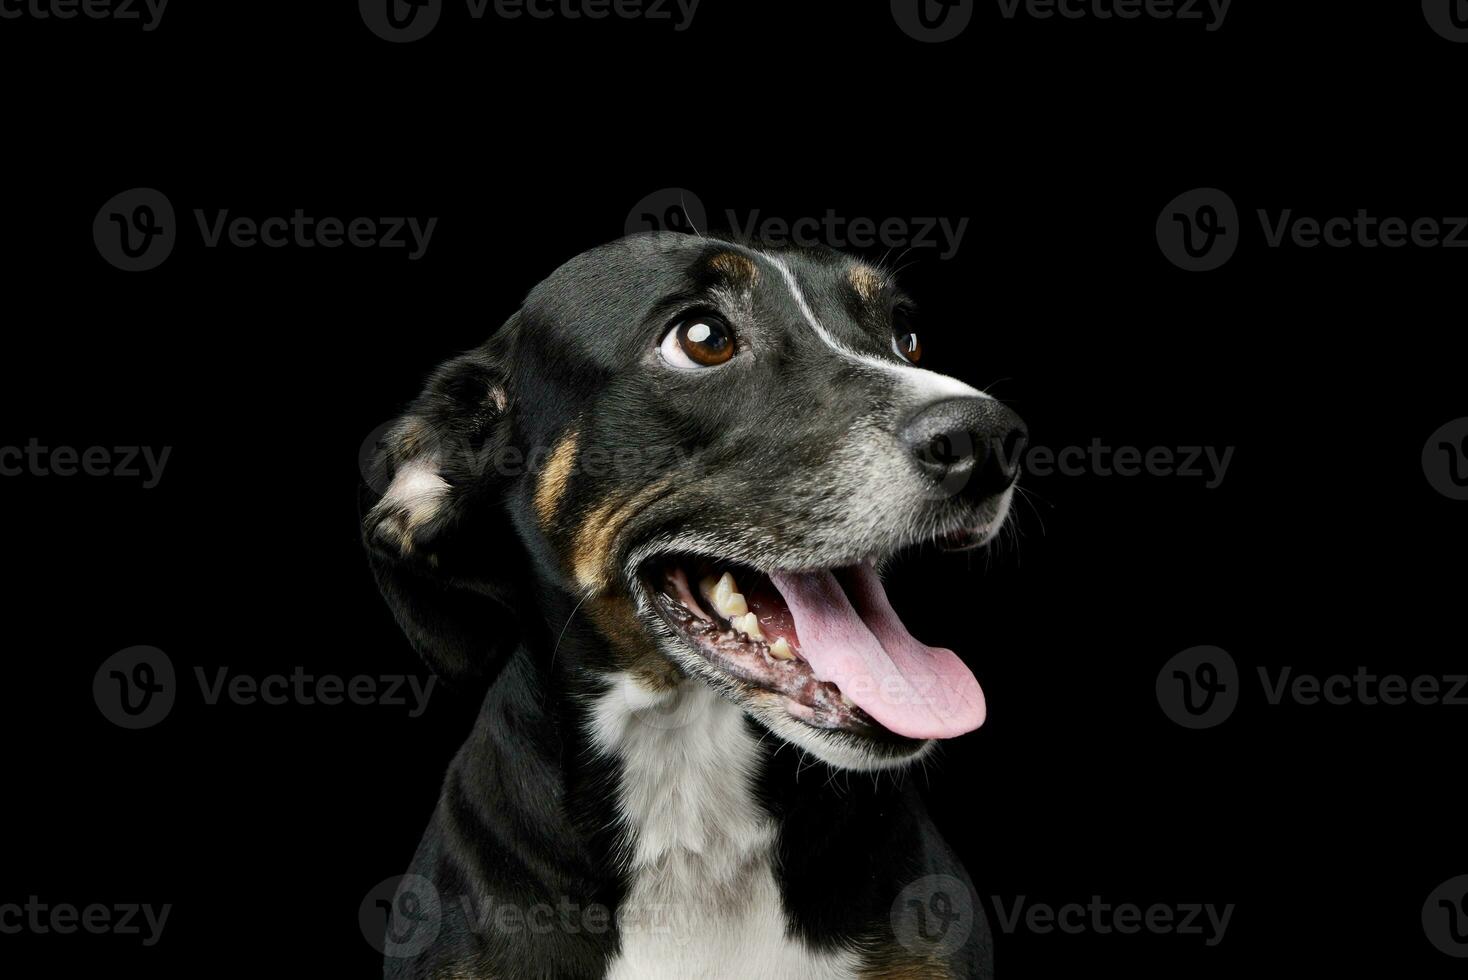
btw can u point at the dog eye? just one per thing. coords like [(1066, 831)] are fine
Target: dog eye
[(905, 339), (697, 342)]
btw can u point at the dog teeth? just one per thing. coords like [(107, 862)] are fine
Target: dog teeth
[(780, 650), (847, 701), (723, 594), (748, 624)]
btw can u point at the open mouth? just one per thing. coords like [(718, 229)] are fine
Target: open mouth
[(826, 642)]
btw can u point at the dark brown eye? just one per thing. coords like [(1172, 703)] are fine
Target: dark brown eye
[(910, 347), (905, 338), (699, 341)]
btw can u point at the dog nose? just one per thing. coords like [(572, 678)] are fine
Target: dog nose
[(972, 443)]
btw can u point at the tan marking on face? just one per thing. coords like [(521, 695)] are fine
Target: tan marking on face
[(887, 962), (866, 281), (553, 479), (591, 553), (739, 269), (615, 618)]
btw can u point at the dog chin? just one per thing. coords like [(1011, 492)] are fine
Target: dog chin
[(838, 749), (981, 534), (780, 716)]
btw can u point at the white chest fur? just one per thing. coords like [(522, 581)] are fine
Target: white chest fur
[(703, 900)]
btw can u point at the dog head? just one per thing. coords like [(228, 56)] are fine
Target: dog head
[(709, 447)]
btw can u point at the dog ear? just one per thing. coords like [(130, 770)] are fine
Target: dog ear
[(436, 529)]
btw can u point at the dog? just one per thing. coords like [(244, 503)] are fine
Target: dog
[(646, 518)]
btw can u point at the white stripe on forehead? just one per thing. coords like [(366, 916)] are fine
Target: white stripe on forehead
[(928, 383), (810, 316)]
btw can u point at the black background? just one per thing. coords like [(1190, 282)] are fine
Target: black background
[(1324, 548)]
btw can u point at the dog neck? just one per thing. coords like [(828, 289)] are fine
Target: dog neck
[(670, 807), (699, 850), (689, 767)]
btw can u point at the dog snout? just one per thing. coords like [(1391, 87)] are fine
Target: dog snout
[(969, 443)]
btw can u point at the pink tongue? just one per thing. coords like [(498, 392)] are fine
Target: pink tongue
[(863, 648)]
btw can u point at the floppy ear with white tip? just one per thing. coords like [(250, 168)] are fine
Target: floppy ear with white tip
[(437, 533)]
